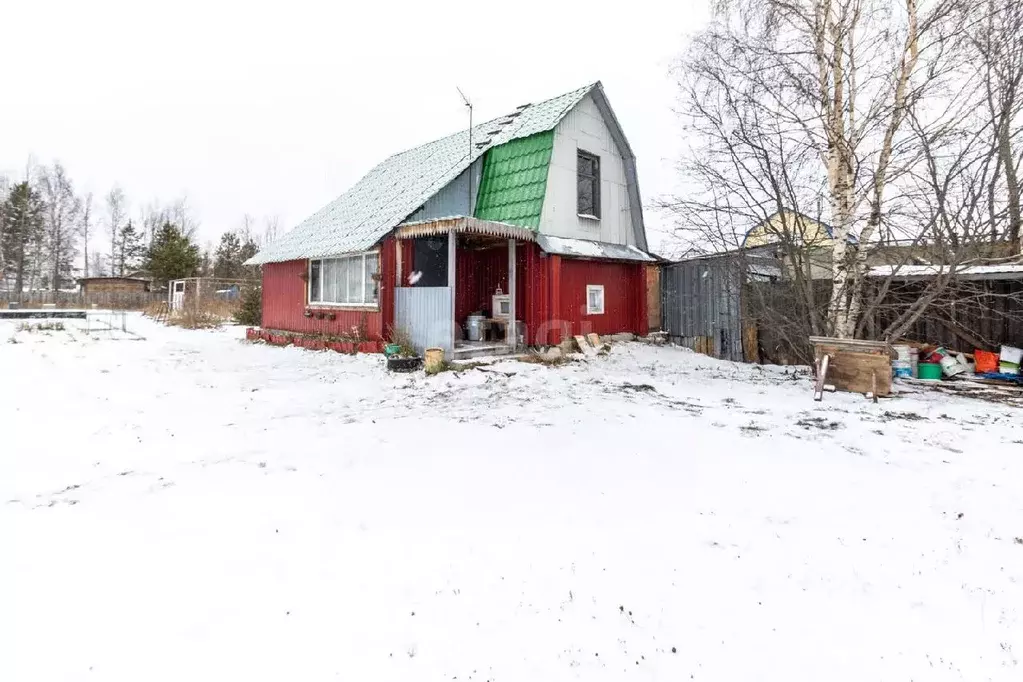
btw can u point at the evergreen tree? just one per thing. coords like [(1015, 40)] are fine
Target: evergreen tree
[(227, 265), (251, 310), (23, 221), (172, 255), (248, 250), (130, 249)]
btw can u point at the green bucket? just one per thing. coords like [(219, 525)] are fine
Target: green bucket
[(391, 348), (930, 371)]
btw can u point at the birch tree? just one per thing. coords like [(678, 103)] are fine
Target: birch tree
[(996, 35), (63, 208), (117, 213), (86, 230), (833, 81)]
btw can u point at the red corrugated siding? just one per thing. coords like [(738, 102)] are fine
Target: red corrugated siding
[(624, 296), (550, 294), (480, 271), (284, 304)]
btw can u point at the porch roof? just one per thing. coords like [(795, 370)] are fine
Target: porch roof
[(584, 248), (464, 225)]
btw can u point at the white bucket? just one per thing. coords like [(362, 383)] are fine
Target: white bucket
[(902, 366), (951, 367), (1010, 359)]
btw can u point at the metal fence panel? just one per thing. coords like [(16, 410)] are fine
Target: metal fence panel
[(426, 314), (701, 306)]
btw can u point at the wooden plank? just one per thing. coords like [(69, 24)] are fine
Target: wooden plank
[(750, 343), (822, 375), (452, 270), (854, 371), (594, 339), (584, 345), (397, 260), (512, 332), (704, 345)]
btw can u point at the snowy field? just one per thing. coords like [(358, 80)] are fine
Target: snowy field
[(192, 507)]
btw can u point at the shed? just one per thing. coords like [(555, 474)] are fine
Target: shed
[(700, 305), (113, 285)]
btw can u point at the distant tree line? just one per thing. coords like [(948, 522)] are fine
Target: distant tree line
[(51, 235)]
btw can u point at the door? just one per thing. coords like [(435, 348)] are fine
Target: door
[(177, 294)]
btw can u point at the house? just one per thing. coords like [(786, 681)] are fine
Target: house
[(113, 285), (798, 241), (534, 217)]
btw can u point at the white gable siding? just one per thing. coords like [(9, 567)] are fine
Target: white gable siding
[(583, 128)]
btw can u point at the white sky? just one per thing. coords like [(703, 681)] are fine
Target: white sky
[(277, 108)]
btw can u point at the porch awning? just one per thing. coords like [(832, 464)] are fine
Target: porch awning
[(464, 225), (584, 248)]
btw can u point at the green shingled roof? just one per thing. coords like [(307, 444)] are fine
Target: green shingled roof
[(515, 179)]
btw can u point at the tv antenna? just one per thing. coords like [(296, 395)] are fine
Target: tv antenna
[(468, 105)]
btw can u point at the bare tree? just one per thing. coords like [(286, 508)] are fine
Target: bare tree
[(98, 267), (117, 213), (180, 213), (271, 228), (997, 38), (794, 101), (152, 217), (86, 230), (63, 208)]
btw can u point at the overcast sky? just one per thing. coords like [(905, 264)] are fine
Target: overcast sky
[(277, 108)]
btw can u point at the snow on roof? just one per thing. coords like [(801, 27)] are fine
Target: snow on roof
[(583, 248), (395, 188), (933, 270)]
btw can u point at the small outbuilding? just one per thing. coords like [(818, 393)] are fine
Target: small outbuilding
[(113, 285)]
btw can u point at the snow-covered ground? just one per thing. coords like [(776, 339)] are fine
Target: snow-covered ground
[(193, 507)]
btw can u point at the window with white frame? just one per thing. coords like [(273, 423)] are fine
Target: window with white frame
[(348, 280), (594, 299)]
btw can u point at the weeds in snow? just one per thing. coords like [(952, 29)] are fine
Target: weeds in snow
[(41, 327), (198, 317)]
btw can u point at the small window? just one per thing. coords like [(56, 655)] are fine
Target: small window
[(314, 281), (179, 287), (594, 299), (588, 184)]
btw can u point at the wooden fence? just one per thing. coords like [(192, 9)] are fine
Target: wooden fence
[(113, 300)]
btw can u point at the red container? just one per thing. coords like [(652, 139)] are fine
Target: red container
[(986, 361)]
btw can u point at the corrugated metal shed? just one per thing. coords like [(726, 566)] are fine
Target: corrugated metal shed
[(700, 304), (396, 188)]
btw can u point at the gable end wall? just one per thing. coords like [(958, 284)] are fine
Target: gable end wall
[(583, 128)]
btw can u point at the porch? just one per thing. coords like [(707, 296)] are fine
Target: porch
[(460, 285)]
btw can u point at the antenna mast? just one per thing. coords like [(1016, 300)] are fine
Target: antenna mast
[(468, 105)]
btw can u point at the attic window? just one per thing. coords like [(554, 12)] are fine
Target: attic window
[(588, 184)]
